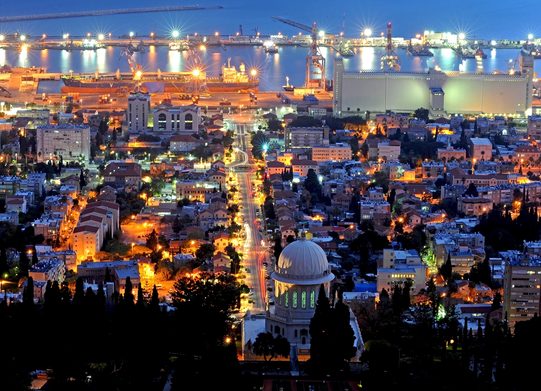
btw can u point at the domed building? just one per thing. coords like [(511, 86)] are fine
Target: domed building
[(300, 271)]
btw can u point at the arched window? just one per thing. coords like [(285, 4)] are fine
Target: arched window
[(188, 121), (303, 299), (276, 330), (295, 299), (286, 296), (161, 121), (312, 299)]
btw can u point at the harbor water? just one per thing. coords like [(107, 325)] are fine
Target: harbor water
[(272, 68)]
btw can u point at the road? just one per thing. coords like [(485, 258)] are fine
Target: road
[(254, 253)]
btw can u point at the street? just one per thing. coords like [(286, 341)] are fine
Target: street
[(254, 253)]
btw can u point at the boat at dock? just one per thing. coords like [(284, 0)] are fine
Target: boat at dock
[(288, 87), (419, 51), (230, 80), (345, 49)]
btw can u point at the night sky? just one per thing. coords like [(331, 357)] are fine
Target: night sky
[(478, 18)]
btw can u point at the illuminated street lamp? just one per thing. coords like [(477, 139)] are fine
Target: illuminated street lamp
[(101, 37), (175, 34), (530, 37), (2, 37), (367, 32), (253, 72), (131, 34), (23, 38)]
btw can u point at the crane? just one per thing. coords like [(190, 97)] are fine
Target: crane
[(315, 62)]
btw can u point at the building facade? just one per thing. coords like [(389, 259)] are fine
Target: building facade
[(138, 111), (177, 118), (71, 142), (440, 92)]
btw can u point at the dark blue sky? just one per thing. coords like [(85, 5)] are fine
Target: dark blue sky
[(479, 18)]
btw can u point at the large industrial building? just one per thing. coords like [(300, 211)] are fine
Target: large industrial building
[(442, 92)]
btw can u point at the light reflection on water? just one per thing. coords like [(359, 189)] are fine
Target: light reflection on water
[(273, 68)]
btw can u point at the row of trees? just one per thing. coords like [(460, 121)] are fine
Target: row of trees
[(124, 341)]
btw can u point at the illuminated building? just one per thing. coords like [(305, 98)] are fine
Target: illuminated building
[(398, 266), (480, 148), (522, 289), (334, 152), (440, 92), (305, 137), (534, 127), (72, 142), (169, 118), (474, 206), (138, 111)]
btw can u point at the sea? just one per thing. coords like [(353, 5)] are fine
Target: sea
[(272, 68)]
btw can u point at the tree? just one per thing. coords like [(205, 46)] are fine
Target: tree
[(140, 297), (422, 113), (177, 225), (332, 338), (260, 143), (496, 302), (3, 261), (277, 246), (24, 263), (128, 292), (152, 240), (78, 297), (82, 180), (471, 191), (196, 289), (267, 345), (28, 292), (205, 252), (35, 258), (446, 270), (155, 300), (312, 184)]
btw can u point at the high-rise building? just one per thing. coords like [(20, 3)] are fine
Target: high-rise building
[(522, 289), (71, 142), (138, 111)]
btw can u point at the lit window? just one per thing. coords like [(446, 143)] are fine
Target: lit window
[(295, 299), (286, 299), (312, 299), (303, 299)]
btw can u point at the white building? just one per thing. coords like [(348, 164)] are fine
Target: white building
[(440, 92), (480, 148), (398, 266), (177, 118), (72, 142), (389, 150), (334, 152), (301, 269), (138, 111)]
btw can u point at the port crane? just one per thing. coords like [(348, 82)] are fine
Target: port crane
[(315, 62)]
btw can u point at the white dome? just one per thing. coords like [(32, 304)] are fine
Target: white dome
[(303, 262)]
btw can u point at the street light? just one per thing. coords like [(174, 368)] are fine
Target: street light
[(367, 32), (175, 34)]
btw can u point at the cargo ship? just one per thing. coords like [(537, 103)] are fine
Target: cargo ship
[(419, 51), (230, 80)]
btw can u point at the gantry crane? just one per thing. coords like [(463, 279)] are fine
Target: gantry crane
[(315, 62)]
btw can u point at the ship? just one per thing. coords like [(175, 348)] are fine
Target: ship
[(345, 49), (270, 47), (288, 87), (467, 52), (419, 51), (180, 46), (532, 50), (230, 80)]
